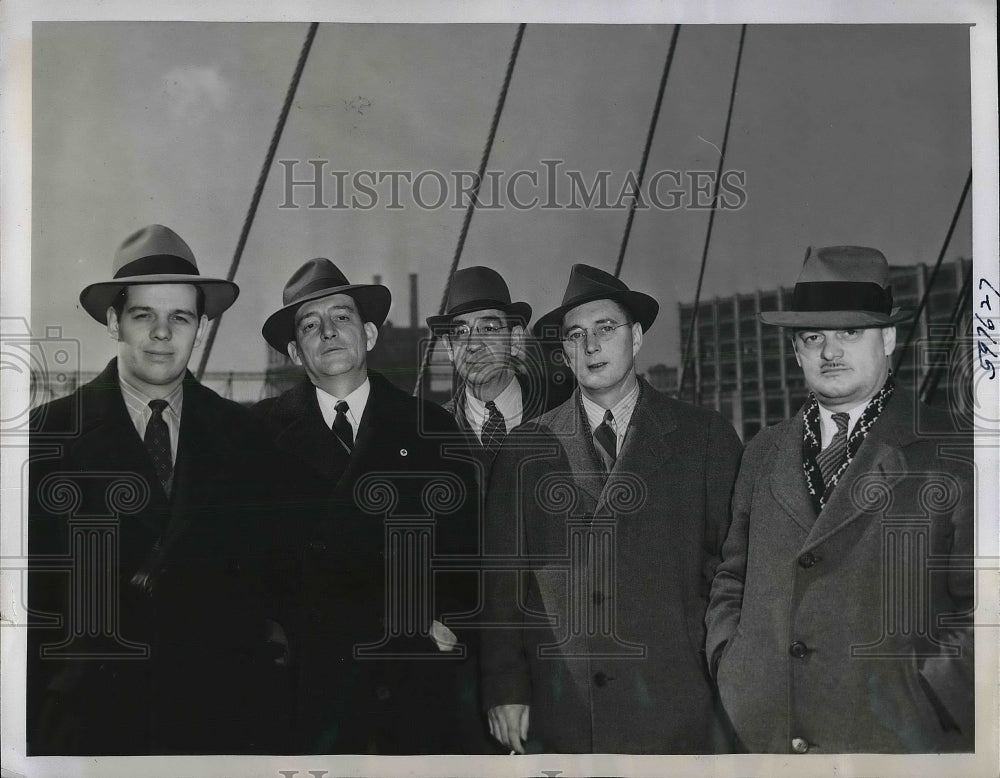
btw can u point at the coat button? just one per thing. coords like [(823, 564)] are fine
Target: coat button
[(807, 560), (598, 598), (799, 746), (382, 693), (798, 649), (600, 679)]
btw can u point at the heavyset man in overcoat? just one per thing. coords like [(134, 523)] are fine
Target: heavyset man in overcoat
[(840, 614), (614, 507)]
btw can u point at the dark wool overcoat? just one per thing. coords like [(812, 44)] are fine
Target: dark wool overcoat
[(150, 612), (357, 587)]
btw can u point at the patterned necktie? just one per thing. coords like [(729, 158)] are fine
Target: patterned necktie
[(607, 441), (829, 458), (157, 440), (342, 425), (494, 429)]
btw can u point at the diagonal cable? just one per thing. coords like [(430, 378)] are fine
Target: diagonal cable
[(259, 188), (645, 152)]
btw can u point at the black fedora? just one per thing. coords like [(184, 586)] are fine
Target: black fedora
[(587, 284), (321, 278), (841, 286), (156, 255), (476, 289)]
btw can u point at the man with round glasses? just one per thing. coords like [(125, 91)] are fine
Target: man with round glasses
[(613, 507), (484, 333)]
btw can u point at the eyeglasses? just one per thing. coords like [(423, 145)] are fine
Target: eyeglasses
[(464, 331), (603, 332)]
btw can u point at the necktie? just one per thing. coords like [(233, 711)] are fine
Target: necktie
[(157, 440), (831, 457), (342, 426), (607, 441), (494, 429)]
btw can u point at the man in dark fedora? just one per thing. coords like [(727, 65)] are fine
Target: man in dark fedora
[(485, 336), (147, 513), (840, 614), (614, 506), (376, 659)]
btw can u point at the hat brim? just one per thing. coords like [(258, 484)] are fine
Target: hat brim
[(373, 301), (642, 307), (834, 320), (219, 293), (519, 311)]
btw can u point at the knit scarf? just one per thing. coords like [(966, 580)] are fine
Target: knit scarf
[(811, 445)]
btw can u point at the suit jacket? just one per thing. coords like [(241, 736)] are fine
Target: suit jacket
[(152, 624), (818, 641), (605, 633), (400, 700)]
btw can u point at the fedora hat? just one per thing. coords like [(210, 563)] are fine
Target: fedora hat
[(156, 255), (841, 286), (476, 289), (587, 284), (320, 278)]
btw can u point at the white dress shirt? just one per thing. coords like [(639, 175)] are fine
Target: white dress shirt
[(622, 412), (137, 405), (828, 427), (356, 403), (508, 402)]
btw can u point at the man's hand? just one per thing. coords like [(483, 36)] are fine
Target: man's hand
[(509, 725)]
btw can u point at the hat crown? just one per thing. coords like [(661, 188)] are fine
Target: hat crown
[(838, 264), (586, 281), (474, 285), (154, 250), (315, 274)]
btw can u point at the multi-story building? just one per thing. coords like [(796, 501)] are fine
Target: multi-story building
[(747, 371)]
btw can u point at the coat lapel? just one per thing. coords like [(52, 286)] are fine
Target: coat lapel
[(647, 445), (569, 425), (788, 482), (879, 460), (307, 434)]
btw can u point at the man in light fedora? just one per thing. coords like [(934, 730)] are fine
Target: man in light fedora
[(147, 511), (484, 333), (342, 427), (614, 506), (840, 614)]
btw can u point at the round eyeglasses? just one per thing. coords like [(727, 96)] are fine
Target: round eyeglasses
[(603, 332)]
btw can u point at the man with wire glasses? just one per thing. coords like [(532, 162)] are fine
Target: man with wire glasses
[(484, 333), (608, 513)]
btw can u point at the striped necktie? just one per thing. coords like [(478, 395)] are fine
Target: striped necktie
[(494, 429), (831, 457), (606, 440), (342, 425)]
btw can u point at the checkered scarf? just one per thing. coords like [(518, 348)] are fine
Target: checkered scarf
[(811, 442)]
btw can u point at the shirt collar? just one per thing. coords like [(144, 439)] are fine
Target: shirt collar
[(829, 426), (508, 402), (137, 401), (622, 410), (356, 401)]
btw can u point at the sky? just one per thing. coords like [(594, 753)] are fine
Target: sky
[(840, 134)]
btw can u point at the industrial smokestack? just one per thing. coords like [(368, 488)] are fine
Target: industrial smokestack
[(414, 318)]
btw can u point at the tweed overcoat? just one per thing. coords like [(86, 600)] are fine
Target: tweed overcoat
[(380, 704), (172, 661), (847, 631), (605, 631)]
